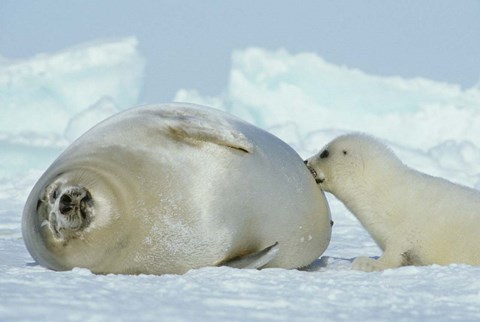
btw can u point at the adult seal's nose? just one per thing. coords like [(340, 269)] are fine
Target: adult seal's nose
[(66, 204), (72, 211), (72, 198)]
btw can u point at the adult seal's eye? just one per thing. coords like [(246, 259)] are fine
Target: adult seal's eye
[(324, 154)]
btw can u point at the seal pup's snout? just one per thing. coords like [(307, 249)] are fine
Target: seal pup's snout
[(314, 172), (318, 176)]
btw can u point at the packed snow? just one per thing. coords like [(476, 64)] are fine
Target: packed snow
[(48, 101)]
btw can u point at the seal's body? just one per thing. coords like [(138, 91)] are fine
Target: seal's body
[(167, 188), (416, 219)]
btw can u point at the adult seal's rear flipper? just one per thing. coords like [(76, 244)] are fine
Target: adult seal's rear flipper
[(197, 125), (255, 260)]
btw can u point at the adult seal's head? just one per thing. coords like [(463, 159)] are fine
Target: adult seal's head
[(167, 188), (66, 210), (69, 209)]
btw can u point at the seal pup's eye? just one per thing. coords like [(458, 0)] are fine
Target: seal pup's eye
[(344, 152), (324, 154)]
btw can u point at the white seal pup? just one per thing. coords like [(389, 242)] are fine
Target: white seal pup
[(167, 188), (416, 219)]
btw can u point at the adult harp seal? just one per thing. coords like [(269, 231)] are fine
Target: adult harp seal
[(167, 188)]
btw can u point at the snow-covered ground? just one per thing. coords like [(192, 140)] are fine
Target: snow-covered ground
[(300, 98)]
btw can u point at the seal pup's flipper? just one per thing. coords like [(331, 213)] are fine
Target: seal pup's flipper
[(255, 260), (196, 125)]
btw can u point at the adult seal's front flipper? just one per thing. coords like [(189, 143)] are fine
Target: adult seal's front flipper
[(255, 260)]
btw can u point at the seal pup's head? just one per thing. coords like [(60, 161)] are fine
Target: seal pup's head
[(349, 162)]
